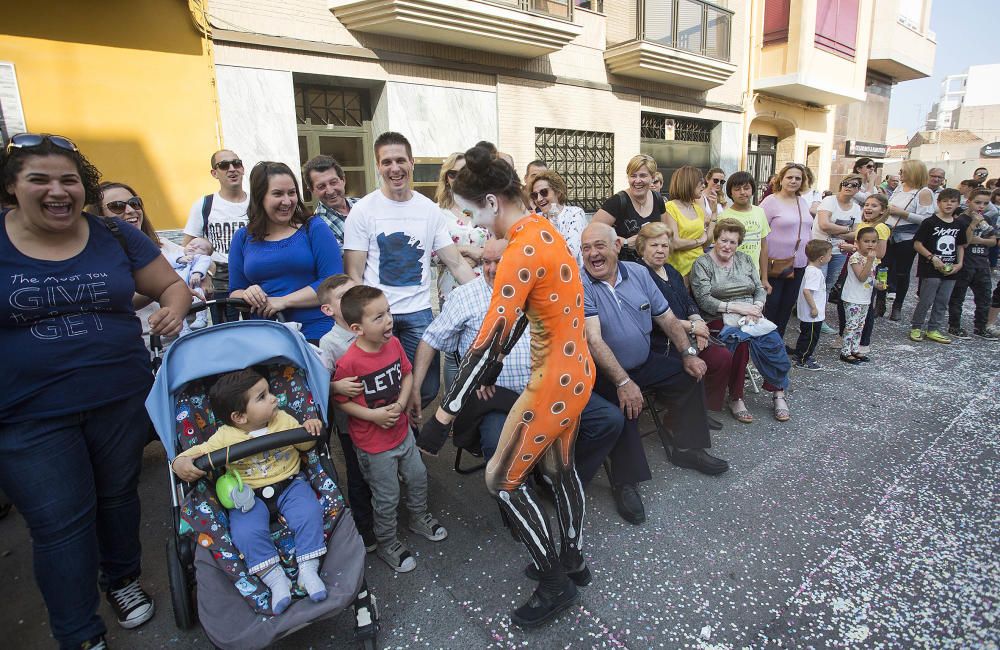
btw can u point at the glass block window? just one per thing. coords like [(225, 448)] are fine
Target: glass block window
[(585, 160)]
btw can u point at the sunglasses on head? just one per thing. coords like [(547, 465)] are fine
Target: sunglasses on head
[(544, 193), (118, 207), (224, 165), (28, 140), (851, 184)]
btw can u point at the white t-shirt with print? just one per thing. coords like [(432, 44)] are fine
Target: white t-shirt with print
[(839, 216), (858, 291), (815, 281), (399, 237), (223, 222)]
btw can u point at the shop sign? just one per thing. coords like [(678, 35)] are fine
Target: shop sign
[(858, 149)]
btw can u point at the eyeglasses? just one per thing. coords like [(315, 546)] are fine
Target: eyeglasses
[(118, 207), (224, 165), (544, 193), (28, 140), (851, 184), (870, 166), (451, 174)]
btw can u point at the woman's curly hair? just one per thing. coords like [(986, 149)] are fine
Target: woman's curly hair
[(12, 162)]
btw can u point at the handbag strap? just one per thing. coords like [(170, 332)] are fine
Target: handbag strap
[(798, 240), (907, 208)]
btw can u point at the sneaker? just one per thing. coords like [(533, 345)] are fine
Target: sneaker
[(938, 337), (826, 329), (916, 334), (369, 539), (808, 364), (959, 333), (429, 527), (989, 334), (397, 556), (132, 605)]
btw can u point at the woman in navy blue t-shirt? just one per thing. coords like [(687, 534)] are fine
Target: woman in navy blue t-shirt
[(277, 261), (76, 373)]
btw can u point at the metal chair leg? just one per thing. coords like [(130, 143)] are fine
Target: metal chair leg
[(755, 379), (466, 470)]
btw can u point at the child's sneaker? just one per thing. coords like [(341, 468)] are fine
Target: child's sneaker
[(429, 527), (989, 334), (200, 321), (808, 364), (937, 337), (132, 605), (826, 329), (916, 334), (959, 333), (397, 556)]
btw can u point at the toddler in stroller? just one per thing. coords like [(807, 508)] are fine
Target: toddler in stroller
[(268, 484), (209, 578)]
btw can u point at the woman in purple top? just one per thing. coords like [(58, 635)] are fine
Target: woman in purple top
[(281, 256), (790, 221)]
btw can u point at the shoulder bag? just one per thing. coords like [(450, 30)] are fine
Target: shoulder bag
[(901, 232), (784, 267)]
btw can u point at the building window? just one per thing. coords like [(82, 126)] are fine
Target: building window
[(776, 21), (837, 26), (661, 127), (425, 176), (690, 25), (325, 106), (585, 160)]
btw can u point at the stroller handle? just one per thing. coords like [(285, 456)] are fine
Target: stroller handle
[(238, 303), (242, 450)]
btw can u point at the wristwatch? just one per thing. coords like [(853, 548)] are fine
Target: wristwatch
[(691, 351)]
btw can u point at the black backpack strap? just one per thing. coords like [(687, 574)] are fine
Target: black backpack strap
[(623, 202), (116, 232), (206, 211)]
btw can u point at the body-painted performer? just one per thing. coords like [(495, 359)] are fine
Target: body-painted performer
[(537, 283)]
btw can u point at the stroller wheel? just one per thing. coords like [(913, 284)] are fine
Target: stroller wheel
[(181, 596)]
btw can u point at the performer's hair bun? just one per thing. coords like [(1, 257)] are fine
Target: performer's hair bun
[(484, 174)]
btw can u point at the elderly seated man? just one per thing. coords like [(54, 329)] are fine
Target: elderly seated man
[(483, 417), (620, 304)]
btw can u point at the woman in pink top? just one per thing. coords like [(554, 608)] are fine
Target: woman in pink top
[(791, 229)]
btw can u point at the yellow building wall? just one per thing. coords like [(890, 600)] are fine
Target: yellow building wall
[(131, 82)]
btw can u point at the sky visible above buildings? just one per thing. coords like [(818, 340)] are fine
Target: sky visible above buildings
[(966, 35)]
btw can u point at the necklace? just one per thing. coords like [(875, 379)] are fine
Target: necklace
[(639, 205)]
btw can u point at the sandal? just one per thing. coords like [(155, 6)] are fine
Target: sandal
[(743, 415), (780, 414)]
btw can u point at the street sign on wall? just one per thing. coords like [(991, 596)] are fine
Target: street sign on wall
[(991, 150), (859, 149)]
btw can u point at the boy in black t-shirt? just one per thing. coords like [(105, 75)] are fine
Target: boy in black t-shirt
[(940, 243), (976, 270)]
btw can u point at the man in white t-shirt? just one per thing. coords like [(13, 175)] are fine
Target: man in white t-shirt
[(388, 243), (216, 217)]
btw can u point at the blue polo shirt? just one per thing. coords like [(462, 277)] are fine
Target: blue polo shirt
[(626, 311)]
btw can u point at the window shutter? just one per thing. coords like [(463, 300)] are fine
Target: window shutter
[(837, 26), (776, 20)]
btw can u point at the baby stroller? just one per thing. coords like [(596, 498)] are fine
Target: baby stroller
[(203, 565)]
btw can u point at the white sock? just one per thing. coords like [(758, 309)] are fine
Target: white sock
[(310, 581), (280, 586)]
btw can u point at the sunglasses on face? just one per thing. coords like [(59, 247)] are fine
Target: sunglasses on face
[(28, 140), (224, 165), (851, 185), (118, 207), (717, 181), (544, 193), (869, 166)]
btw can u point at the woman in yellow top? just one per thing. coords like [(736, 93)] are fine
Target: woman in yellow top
[(686, 219)]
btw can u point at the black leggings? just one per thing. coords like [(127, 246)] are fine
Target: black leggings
[(784, 294), (899, 258)]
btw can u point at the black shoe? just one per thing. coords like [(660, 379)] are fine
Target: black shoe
[(543, 606), (132, 605), (958, 332), (700, 460), (897, 310), (629, 503), (579, 573), (97, 643), (713, 424), (369, 539), (851, 360)]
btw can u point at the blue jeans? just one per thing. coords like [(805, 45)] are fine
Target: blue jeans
[(409, 328), (74, 479), (833, 268), (251, 531)]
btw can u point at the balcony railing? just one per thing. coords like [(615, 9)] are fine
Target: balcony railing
[(694, 26), (555, 8)]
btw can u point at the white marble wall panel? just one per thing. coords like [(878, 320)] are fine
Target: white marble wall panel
[(257, 111), (727, 145), (439, 120)]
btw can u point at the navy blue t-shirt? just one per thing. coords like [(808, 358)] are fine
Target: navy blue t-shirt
[(69, 338)]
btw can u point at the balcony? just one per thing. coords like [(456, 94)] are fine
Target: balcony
[(521, 28), (899, 49), (680, 42)]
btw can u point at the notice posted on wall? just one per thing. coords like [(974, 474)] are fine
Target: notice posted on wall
[(11, 111)]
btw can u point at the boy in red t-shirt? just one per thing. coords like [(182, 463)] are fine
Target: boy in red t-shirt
[(378, 424)]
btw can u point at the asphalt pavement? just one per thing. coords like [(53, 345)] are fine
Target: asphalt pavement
[(869, 520)]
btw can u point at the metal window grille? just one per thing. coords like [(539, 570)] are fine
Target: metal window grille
[(585, 160), (318, 105), (663, 127)]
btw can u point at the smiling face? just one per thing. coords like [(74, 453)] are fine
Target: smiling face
[(395, 167), (600, 249), (376, 322), (328, 188), (656, 250), (543, 195), (50, 192), (132, 216), (726, 245), (281, 199), (640, 182), (261, 406)]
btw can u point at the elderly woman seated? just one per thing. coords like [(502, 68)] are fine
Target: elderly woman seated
[(726, 285), (653, 245)]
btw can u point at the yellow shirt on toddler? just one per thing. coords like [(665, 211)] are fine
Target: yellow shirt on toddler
[(263, 469)]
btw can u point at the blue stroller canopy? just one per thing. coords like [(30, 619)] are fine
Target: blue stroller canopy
[(225, 348)]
